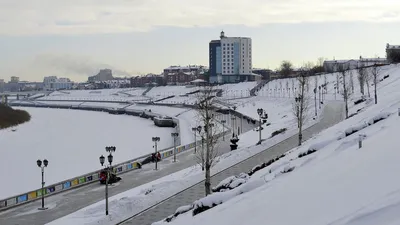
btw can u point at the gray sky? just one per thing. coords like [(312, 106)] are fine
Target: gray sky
[(76, 38)]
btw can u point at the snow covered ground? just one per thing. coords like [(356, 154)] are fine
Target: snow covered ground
[(239, 90), (72, 141), (335, 182)]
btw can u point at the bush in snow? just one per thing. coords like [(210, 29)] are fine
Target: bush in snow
[(358, 101), (231, 183), (308, 152), (379, 117), (218, 198), (262, 166), (278, 132), (180, 210), (315, 147), (288, 169), (351, 130)]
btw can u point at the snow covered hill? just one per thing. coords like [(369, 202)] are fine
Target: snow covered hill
[(328, 180)]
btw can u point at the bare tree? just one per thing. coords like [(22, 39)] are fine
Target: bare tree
[(351, 81), (287, 87), (286, 68), (362, 73), (301, 104), (368, 77), (207, 118), (346, 91), (375, 69)]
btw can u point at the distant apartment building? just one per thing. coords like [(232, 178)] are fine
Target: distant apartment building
[(147, 80), (183, 74), (14, 79), (230, 59), (53, 83), (2, 85), (103, 75), (393, 53)]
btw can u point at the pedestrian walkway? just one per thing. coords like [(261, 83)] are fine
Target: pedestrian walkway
[(333, 113)]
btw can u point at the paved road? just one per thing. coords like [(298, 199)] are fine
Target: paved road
[(68, 202), (333, 113)]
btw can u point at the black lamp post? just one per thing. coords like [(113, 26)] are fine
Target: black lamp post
[(110, 149), (315, 101), (194, 129), (233, 118), (110, 158), (260, 112), (319, 96), (223, 129), (174, 135), (42, 166), (155, 140)]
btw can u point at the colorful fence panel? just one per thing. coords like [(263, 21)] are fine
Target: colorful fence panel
[(51, 189), (32, 195), (82, 180), (22, 198), (3, 204), (39, 192), (75, 182), (95, 176), (11, 201), (67, 185), (59, 187)]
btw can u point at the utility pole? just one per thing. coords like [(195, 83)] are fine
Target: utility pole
[(174, 136), (155, 140)]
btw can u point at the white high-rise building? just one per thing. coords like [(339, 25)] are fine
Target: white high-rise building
[(230, 59)]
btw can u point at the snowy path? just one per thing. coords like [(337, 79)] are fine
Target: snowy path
[(333, 113), (68, 202)]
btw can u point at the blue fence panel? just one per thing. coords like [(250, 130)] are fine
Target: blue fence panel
[(67, 184), (22, 198)]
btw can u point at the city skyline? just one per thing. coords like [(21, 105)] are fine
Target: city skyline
[(75, 39)]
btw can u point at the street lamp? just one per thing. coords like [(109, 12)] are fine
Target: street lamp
[(155, 140), (260, 112), (110, 149), (223, 129), (194, 129), (108, 168), (233, 118), (319, 96), (315, 101), (42, 166), (174, 135)]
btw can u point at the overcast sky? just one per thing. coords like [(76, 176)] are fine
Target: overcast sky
[(75, 38)]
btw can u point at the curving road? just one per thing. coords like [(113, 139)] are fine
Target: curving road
[(333, 113), (68, 202)]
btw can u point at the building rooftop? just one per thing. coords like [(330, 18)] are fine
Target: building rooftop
[(186, 67)]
